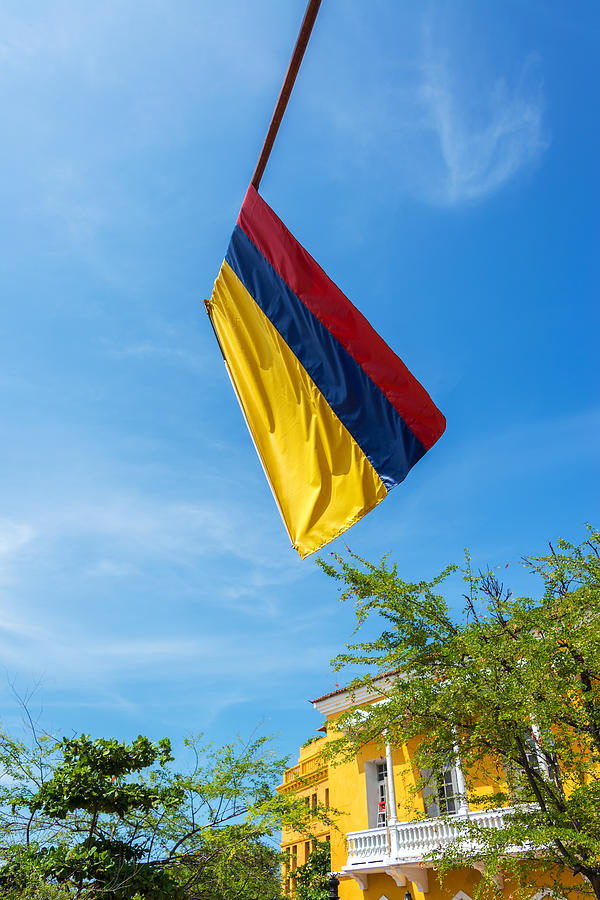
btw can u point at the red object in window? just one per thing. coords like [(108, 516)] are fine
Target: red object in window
[(381, 806)]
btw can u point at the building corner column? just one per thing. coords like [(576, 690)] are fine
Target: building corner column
[(391, 787), (392, 818), (461, 782)]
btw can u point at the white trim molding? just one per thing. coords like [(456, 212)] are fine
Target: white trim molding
[(462, 896), (346, 700)]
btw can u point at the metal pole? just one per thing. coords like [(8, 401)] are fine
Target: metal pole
[(288, 83)]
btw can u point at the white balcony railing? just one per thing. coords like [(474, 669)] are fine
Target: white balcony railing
[(367, 845), (411, 842)]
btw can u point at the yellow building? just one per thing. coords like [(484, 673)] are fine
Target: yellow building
[(310, 779), (387, 828)]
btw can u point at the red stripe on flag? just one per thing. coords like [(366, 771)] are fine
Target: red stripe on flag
[(305, 277)]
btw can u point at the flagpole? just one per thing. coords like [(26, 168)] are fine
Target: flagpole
[(288, 83)]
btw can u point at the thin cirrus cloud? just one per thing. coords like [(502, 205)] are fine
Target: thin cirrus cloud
[(175, 532), (62, 650), (445, 131), (13, 536), (171, 355), (481, 151)]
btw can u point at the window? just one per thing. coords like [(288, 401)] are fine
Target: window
[(314, 801), (306, 850), (531, 751), (326, 796), (543, 767), (286, 870), (381, 794), (441, 795), (447, 792), (307, 802), (377, 792)]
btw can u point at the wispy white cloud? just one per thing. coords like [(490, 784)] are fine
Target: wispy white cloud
[(486, 138), (443, 126), (177, 356), (81, 649), (154, 528), (13, 536), (110, 568), (69, 655)]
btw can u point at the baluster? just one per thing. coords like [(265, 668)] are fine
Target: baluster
[(402, 839), (432, 836)]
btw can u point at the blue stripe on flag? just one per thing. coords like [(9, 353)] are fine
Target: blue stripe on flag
[(376, 426)]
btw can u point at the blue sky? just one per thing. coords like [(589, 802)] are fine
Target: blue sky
[(440, 161)]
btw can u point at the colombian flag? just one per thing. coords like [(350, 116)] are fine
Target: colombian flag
[(336, 417)]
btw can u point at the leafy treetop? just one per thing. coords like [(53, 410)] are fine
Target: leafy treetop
[(511, 688)]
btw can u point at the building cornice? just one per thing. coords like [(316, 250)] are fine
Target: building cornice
[(347, 698)]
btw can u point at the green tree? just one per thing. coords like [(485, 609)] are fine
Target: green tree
[(312, 877), (511, 683), (83, 818)]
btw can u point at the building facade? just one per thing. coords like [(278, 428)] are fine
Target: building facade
[(388, 827)]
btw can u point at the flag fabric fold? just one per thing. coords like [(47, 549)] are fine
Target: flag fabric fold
[(336, 417)]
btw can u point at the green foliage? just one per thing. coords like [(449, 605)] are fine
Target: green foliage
[(92, 776), (512, 685), (83, 818), (312, 877)]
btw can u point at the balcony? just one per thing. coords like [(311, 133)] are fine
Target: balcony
[(401, 850), (308, 772)]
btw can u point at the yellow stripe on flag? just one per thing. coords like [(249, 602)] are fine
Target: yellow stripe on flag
[(320, 477)]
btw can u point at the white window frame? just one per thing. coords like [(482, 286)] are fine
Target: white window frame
[(433, 794)]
